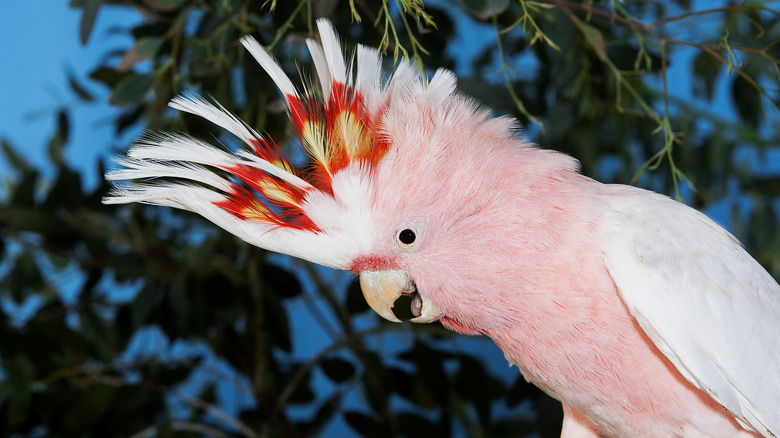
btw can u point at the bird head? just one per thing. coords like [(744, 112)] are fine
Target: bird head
[(404, 184)]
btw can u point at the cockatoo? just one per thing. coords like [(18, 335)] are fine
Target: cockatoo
[(640, 314)]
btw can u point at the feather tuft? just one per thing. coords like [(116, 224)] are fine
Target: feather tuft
[(259, 195)]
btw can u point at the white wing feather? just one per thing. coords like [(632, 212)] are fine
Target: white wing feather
[(702, 299)]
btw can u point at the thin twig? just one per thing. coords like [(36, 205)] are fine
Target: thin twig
[(506, 70), (301, 372), (215, 411)]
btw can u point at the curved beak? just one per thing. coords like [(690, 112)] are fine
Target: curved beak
[(382, 288)]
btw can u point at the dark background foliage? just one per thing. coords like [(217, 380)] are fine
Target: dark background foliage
[(587, 78)]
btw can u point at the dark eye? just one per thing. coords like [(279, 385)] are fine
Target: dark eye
[(406, 236)]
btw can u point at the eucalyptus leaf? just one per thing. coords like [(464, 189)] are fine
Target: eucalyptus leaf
[(145, 48), (338, 370), (165, 5), (14, 157), (132, 89), (80, 90), (90, 10)]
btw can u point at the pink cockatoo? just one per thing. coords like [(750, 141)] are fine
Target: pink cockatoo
[(640, 314)]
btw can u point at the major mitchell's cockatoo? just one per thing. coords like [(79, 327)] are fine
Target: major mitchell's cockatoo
[(640, 314)]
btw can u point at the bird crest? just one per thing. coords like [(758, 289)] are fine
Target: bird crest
[(334, 131), (261, 196), (335, 124)]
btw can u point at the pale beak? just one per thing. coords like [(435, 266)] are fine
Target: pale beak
[(382, 288)]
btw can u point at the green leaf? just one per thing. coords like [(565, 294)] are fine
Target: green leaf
[(595, 39), (132, 89), (520, 391), (417, 387), (17, 161), (26, 278), (431, 383), (89, 13), (485, 8), (145, 48), (22, 195), (277, 320), (416, 426), (483, 91), (129, 118), (143, 304), (302, 394), (356, 303), (324, 8), (281, 281), (178, 297), (209, 393), (338, 370), (363, 424), (66, 190), (747, 100), (19, 373), (63, 125), (77, 88), (498, 6), (512, 427), (89, 405), (705, 72), (108, 76), (324, 415), (56, 146), (101, 337), (165, 5), (476, 385)]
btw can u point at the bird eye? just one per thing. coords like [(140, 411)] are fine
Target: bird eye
[(406, 236)]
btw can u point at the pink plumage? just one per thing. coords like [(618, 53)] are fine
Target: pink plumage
[(640, 314)]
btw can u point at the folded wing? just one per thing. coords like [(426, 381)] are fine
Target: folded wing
[(703, 300)]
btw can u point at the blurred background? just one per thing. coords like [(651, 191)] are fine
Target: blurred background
[(141, 321)]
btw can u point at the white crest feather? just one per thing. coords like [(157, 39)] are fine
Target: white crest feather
[(442, 85), (214, 113), (332, 51), (320, 66), (369, 78), (179, 147), (269, 65), (139, 169)]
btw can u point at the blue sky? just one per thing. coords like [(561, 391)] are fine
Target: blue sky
[(41, 43)]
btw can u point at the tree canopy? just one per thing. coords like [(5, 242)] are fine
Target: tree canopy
[(176, 328)]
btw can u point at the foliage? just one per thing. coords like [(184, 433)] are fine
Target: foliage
[(591, 78)]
